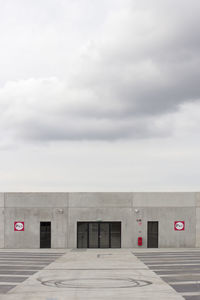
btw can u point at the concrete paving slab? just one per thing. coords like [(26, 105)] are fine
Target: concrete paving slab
[(39, 265), (174, 268), (4, 288), (20, 267), (192, 297), (14, 272), (186, 294), (94, 274), (177, 268), (181, 288), (16, 267), (12, 279), (191, 262), (172, 272), (181, 278)]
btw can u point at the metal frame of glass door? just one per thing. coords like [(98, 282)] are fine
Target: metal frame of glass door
[(99, 233)]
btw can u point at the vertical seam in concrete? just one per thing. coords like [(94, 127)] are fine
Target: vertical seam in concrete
[(132, 200), (133, 220), (195, 195), (196, 224), (67, 236), (195, 227), (4, 220), (195, 199)]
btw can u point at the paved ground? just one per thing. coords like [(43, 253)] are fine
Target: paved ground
[(100, 274), (179, 268), (17, 266), (106, 274)]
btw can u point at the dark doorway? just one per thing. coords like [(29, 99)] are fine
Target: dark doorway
[(83, 235), (45, 234), (104, 235), (99, 234), (115, 235), (152, 234), (93, 235)]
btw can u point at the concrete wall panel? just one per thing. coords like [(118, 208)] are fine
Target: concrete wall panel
[(1, 220), (1, 227), (1, 199), (197, 195), (59, 228), (164, 199), (30, 237), (36, 199), (64, 210), (100, 200), (168, 237), (101, 214), (198, 227)]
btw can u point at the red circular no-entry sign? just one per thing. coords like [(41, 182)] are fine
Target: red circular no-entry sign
[(18, 226), (179, 225)]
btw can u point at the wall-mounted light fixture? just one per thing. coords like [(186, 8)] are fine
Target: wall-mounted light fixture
[(59, 210)]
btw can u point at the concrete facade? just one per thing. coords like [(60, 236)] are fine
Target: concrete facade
[(133, 210)]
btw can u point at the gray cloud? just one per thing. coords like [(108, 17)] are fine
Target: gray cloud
[(140, 64)]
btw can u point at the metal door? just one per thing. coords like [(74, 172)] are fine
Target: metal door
[(45, 234), (115, 234), (152, 234)]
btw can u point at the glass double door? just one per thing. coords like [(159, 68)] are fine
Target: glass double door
[(99, 234)]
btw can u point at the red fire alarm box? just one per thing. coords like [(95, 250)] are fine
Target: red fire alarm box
[(139, 241)]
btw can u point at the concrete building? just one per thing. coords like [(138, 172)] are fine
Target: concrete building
[(99, 220)]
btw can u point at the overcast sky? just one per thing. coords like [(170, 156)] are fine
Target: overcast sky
[(99, 95)]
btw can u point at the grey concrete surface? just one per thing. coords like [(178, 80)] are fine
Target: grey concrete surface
[(100, 200), (94, 274), (198, 226), (64, 210), (162, 199), (1, 199), (180, 268), (2, 233), (16, 267), (30, 237), (125, 215), (36, 199)]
